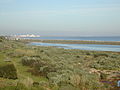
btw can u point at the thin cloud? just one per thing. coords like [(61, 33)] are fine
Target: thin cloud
[(81, 11)]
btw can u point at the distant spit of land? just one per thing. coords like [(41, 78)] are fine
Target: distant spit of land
[(74, 41)]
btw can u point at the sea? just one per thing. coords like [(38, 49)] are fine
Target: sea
[(92, 47)]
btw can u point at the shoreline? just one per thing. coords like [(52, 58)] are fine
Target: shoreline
[(73, 41)]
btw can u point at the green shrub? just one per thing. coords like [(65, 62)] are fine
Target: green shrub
[(19, 86), (23, 52), (43, 69), (106, 63), (8, 71), (100, 54), (1, 40), (77, 79), (29, 61), (68, 87), (103, 76)]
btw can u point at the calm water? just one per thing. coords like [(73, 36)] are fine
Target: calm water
[(80, 38), (93, 47)]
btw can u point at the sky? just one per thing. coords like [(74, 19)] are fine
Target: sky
[(60, 17)]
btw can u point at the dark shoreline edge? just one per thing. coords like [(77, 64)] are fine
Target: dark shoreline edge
[(73, 41)]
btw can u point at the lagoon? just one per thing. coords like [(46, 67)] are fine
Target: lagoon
[(93, 47)]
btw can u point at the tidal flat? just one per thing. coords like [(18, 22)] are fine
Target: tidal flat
[(26, 67)]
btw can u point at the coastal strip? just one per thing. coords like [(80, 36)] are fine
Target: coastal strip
[(73, 41)]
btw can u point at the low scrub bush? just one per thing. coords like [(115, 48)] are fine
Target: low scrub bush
[(43, 69), (77, 79), (106, 63), (8, 71), (1, 40), (23, 52), (29, 61), (100, 54)]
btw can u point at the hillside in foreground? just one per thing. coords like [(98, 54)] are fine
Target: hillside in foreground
[(25, 67)]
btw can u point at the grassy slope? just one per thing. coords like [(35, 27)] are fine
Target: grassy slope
[(22, 73), (91, 61)]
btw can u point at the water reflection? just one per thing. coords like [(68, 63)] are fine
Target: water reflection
[(95, 47)]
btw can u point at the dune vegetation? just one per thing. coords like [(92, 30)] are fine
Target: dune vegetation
[(26, 67)]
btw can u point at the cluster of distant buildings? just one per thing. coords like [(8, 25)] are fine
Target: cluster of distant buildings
[(27, 35), (18, 37)]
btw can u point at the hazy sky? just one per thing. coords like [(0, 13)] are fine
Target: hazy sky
[(60, 17)]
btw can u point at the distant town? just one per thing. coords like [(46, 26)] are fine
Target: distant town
[(25, 35), (18, 37)]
